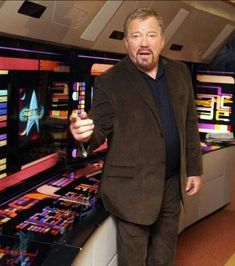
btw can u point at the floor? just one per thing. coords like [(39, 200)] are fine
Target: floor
[(211, 241)]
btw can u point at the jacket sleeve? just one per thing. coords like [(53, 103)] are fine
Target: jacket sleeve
[(193, 148), (102, 114)]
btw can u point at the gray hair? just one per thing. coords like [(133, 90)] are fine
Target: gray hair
[(142, 13)]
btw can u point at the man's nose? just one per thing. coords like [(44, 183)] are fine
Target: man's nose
[(144, 41)]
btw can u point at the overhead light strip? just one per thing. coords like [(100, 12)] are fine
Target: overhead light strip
[(26, 50), (175, 24), (98, 57), (227, 30), (100, 20)]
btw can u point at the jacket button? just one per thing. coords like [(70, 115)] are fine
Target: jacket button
[(162, 135), (163, 163)]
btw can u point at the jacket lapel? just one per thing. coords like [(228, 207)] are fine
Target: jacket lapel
[(141, 87)]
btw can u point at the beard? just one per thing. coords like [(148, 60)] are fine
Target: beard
[(145, 59)]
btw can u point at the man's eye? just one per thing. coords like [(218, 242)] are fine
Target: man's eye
[(135, 36)]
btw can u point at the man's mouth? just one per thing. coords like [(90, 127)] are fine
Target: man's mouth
[(144, 52)]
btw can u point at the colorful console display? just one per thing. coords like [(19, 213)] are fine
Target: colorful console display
[(78, 97), (45, 214), (78, 106), (39, 211), (214, 100), (26, 105), (3, 131), (59, 100)]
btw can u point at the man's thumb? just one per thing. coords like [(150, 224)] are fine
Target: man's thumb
[(83, 115)]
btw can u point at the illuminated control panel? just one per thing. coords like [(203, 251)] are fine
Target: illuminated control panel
[(46, 214), (59, 100), (78, 105), (3, 132), (214, 100), (78, 96)]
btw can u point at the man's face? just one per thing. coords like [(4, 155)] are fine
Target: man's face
[(144, 43)]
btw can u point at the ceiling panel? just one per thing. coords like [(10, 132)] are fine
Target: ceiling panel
[(196, 25)]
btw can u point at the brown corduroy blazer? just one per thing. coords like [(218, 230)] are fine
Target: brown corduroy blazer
[(125, 112)]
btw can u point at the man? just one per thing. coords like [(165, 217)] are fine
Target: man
[(144, 105)]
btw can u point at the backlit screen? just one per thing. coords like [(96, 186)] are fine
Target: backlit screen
[(214, 100)]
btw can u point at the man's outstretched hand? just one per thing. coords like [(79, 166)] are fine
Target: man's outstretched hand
[(81, 127)]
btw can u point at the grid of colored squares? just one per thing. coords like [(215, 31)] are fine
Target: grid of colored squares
[(214, 101), (78, 96), (77, 197), (59, 98), (214, 104), (49, 220), (3, 108), (16, 206), (3, 135)]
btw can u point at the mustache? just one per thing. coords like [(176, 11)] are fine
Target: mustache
[(144, 50)]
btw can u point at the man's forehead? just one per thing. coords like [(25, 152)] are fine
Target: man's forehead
[(137, 23)]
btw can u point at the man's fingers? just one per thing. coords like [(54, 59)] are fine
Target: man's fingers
[(81, 126), (81, 121), (74, 115), (86, 134), (85, 122), (84, 128), (193, 185)]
